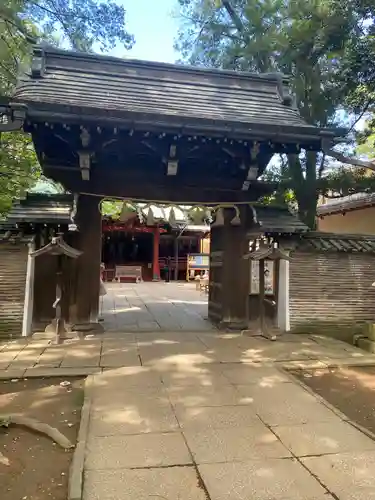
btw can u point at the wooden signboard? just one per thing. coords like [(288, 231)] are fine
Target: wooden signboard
[(197, 262), (268, 277)]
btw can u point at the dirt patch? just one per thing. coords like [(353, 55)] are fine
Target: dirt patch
[(38, 468), (351, 390)]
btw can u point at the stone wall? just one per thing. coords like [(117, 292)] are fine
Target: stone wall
[(331, 292), (13, 264)]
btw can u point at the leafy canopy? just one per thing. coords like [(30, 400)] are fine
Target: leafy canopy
[(326, 46), (83, 25)]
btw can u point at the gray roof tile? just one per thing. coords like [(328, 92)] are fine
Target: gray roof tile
[(41, 208), (330, 242), (276, 220), (129, 88), (346, 203)]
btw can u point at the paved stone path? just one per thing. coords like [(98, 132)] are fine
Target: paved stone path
[(204, 415), (153, 307)]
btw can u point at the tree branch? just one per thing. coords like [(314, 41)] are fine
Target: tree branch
[(235, 18), (356, 162), (321, 166), (367, 105)]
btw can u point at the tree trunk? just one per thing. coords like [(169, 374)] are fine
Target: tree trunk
[(307, 209), (305, 186)]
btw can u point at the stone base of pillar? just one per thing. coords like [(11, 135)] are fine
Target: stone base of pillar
[(89, 327), (59, 333), (233, 324)]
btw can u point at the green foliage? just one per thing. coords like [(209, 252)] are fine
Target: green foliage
[(19, 168), (111, 209), (366, 139), (326, 46), (77, 24), (81, 24)]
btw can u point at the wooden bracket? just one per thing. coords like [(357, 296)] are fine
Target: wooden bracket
[(172, 164), (85, 164)]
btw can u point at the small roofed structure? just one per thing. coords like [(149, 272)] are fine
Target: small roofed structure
[(267, 252), (59, 248)]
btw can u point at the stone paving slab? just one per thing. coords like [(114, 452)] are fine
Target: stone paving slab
[(12, 374), (114, 397), (128, 377), (208, 375), (82, 354), (39, 371), (258, 375), (234, 444), (142, 450), (156, 306), (284, 404), (201, 417), (119, 360), (133, 419), (349, 476), (225, 395), (176, 483), (323, 438), (263, 479)]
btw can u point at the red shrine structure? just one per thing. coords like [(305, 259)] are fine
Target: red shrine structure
[(162, 133)]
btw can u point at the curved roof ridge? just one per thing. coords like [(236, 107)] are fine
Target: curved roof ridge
[(101, 58)]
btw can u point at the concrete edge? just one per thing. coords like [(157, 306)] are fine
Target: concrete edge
[(48, 373), (13, 374), (75, 482), (330, 406)]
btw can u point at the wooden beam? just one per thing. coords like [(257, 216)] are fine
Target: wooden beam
[(171, 190)]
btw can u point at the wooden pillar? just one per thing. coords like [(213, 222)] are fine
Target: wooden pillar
[(262, 311), (28, 307), (283, 318), (155, 260), (88, 265), (176, 241), (229, 273)]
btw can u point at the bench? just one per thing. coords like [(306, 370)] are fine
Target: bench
[(128, 272), (202, 283)]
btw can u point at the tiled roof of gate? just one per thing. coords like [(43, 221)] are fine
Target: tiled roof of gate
[(330, 242), (168, 93), (274, 219), (41, 208)]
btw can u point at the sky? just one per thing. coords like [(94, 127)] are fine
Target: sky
[(154, 29)]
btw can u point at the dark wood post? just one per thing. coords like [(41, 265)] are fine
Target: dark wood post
[(155, 260), (229, 273), (261, 296), (88, 266), (176, 258)]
